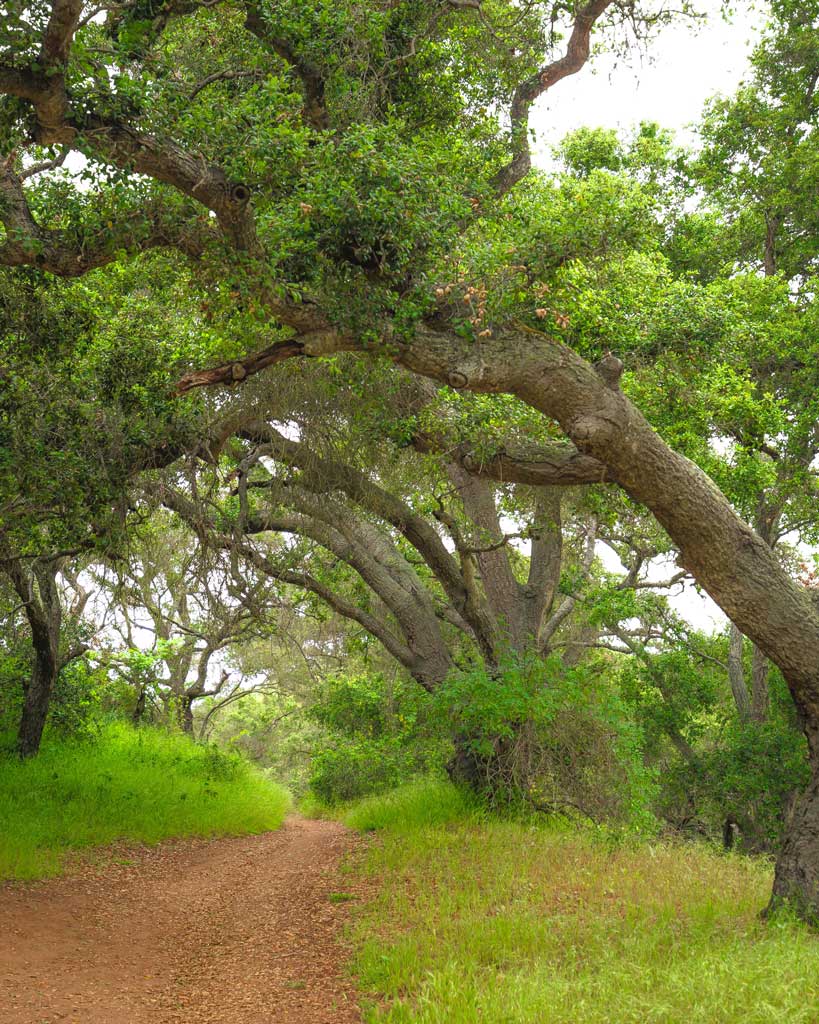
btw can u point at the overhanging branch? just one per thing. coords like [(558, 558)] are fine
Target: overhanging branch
[(575, 57)]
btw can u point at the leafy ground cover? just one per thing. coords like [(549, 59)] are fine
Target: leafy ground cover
[(137, 785), (508, 922)]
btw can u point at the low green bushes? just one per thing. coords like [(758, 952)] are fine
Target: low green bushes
[(138, 785), (534, 734), (377, 734), (549, 737)]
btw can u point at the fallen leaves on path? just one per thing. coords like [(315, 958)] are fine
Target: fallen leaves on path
[(230, 931)]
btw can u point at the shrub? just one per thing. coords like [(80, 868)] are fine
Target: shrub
[(77, 700), (558, 739), (378, 734), (750, 772)]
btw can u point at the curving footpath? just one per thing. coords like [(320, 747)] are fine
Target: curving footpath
[(228, 931)]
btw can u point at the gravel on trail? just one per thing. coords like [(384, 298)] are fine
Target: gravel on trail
[(227, 931)]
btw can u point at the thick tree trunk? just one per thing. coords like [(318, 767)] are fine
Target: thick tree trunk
[(796, 879), (38, 697), (491, 776), (465, 767)]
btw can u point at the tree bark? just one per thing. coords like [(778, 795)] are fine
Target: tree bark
[(139, 708), (736, 674), (760, 696), (796, 878), (185, 711), (38, 695), (486, 539), (37, 588)]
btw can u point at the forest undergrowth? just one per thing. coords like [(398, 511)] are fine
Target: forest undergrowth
[(478, 917), (135, 785)]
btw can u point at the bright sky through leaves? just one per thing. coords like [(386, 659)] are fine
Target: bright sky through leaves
[(688, 64)]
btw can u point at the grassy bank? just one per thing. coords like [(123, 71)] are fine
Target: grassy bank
[(503, 922), (134, 785)]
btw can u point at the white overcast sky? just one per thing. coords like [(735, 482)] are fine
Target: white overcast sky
[(686, 65)]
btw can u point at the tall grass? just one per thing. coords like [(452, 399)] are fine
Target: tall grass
[(415, 805), (506, 922), (135, 785)]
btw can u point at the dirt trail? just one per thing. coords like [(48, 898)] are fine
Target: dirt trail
[(233, 931)]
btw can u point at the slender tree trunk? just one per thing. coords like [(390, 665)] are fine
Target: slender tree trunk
[(736, 674), (772, 222), (36, 585), (139, 707), (760, 698), (186, 715)]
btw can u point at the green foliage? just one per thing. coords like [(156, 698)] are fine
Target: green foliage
[(77, 704), (81, 699), (85, 400), (751, 772), (378, 736), (15, 668), (560, 738), (760, 161), (692, 690), (372, 212), (131, 785), (746, 770), (509, 923)]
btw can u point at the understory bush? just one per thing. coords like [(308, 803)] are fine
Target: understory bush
[(378, 734), (83, 699), (745, 772), (558, 739), (138, 785), (535, 733), (750, 773)]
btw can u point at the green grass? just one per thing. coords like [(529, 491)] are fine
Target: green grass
[(423, 803), (506, 922), (133, 785)]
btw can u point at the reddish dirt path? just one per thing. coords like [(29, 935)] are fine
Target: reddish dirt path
[(233, 931)]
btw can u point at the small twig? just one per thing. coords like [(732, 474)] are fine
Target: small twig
[(221, 76)]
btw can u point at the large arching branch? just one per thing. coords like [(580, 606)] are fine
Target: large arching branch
[(321, 475), (557, 464), (384, 573), (374, 557)]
